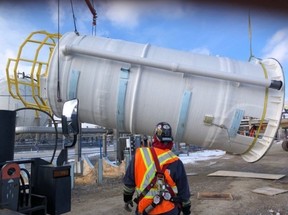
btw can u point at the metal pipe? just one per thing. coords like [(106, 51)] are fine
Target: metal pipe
[(100, 170), (39, 129), (175, 67)]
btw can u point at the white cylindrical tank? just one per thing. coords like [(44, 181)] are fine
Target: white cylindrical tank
[(132, 87)]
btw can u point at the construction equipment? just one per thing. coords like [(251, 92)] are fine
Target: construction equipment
[(208, 101), (44, 188)]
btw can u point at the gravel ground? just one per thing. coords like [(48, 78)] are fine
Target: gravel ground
[(107, 198)]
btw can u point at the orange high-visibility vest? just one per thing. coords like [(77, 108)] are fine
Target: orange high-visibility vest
[(145, 172)]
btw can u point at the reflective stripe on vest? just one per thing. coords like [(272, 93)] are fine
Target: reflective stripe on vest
[(164, 158)]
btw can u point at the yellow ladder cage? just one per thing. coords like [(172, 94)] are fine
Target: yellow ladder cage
[(30, 66)]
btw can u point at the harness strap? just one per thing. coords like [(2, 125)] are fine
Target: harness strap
[(156, 161), (152, 183), (159, 170), (145, 191)]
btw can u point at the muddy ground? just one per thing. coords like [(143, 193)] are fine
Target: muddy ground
[(106, 199)]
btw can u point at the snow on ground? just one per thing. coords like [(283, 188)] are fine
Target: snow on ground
[(201, 156), (192, 157)]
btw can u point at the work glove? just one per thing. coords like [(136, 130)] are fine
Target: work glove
[(127, 206), (128, 202), (186, 209)]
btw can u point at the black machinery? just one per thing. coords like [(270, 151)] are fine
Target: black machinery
[(46, 190), (40, 188)]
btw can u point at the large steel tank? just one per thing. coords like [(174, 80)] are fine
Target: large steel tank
[(132, 87)]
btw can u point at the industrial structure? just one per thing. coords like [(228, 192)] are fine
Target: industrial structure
[(125, 87)]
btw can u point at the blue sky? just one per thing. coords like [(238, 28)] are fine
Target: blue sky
[(206, 28)]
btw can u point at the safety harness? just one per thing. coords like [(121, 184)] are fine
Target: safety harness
[(159, 181)]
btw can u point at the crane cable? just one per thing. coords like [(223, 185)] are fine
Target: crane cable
[(59, 99), (74, 19), (250, 37)]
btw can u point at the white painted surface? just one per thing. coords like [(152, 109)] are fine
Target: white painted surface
[(155, 94)]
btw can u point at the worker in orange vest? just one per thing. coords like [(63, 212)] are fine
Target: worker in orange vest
[(158, 178), (252, 131)]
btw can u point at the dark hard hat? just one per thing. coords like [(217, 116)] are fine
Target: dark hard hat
[(163, 132)]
